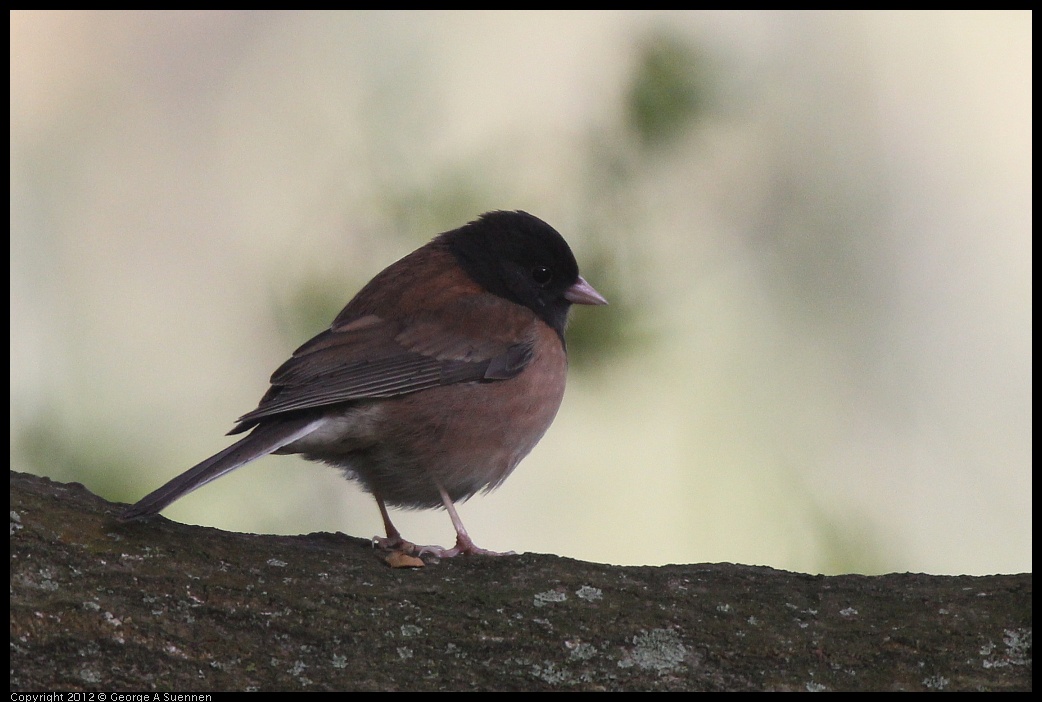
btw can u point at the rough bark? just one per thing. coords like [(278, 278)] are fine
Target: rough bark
[(109, 607)]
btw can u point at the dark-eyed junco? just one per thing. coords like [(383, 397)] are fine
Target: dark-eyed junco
[(440, 375)]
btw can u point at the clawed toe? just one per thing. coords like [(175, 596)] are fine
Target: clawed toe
[(462, 548)]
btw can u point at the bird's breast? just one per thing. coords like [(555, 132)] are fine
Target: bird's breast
[(467, 437)]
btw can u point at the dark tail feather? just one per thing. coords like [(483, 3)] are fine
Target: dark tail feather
[(263, 440)]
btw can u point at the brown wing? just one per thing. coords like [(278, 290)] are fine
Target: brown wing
[(371, 357)]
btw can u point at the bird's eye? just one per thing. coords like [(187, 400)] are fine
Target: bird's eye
[(542, 275)]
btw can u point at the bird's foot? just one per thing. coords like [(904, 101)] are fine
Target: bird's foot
[(463, 547), (394, 543)]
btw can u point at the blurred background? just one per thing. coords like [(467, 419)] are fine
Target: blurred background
[(814, 229)]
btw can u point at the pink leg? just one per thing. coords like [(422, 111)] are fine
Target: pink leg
[(394, 540), (464, 544)]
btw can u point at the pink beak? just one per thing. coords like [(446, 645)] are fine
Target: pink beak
[(582, 293)]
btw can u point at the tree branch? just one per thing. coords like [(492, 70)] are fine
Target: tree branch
[(110, 607)]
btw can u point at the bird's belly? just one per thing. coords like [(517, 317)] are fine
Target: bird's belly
[(466, 437)]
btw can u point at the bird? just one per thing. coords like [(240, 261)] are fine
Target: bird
[(431, 385)]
